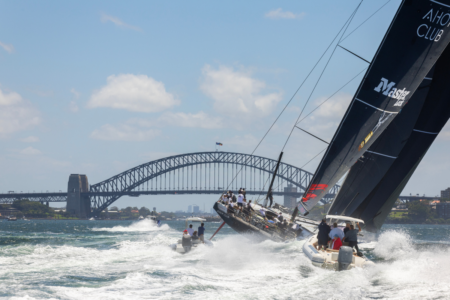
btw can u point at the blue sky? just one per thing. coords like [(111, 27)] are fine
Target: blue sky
[(99, 87)]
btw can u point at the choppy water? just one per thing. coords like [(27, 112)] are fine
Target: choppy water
[(131, 260)]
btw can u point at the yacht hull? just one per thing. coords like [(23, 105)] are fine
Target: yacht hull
[(257, 230)]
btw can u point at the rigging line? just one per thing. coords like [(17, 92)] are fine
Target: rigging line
[(365, 20), (312, 135), (331, 96), (349, 21), (346, 25), (301, 85), (313, 158), (355, 54), (261, 191)]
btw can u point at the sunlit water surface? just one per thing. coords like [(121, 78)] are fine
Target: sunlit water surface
[(132, 260)]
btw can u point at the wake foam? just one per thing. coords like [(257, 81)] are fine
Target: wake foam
[(409, 272), (143, 266), (393, 244), (139, 226)]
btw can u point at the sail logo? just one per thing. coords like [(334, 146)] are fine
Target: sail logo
[(389, 90), (431, 32), (383, 119), (314, 187), (363, 143)]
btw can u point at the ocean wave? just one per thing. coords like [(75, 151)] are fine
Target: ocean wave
[(142, 265)]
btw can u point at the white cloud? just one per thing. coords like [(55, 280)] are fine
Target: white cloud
[(124, 132), (280, 14), (134, 93), (235, 92), (334, 107), (326, 118), (108, 18), (8, 48), (30, 139), (16, 114), (142, 130), (73, 106), (30, 151), (198, 120), (75, 93)]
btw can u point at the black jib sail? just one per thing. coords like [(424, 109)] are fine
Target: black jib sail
[(370, 169), (416, 38), (433, 117)]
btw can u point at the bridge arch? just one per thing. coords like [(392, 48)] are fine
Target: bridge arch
[(106, 192)]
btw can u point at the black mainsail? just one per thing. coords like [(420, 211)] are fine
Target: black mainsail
[(370, 169), (416, 38), (434, 115)]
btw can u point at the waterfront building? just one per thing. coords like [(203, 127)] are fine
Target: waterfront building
[(196, 209), (443, 210), (445, 194)]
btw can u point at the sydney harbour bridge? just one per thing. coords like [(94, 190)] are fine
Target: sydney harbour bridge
[(192, 173)]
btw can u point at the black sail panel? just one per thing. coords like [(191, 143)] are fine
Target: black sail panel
[(434, 115), (415, 40), (370, 169)]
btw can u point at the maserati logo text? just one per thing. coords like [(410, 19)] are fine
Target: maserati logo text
[(388, 89)]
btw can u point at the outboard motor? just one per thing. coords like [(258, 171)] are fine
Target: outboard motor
[(345, 258)]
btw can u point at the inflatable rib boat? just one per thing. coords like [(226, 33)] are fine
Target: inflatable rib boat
[(339, 260)]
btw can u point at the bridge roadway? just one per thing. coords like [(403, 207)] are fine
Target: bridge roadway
[(62, 197)]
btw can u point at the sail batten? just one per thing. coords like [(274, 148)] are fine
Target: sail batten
[(377, 108), (402, 61)]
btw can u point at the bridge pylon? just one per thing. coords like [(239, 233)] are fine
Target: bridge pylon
[(78, 204)]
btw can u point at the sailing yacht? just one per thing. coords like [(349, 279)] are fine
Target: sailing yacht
[(401, 68)]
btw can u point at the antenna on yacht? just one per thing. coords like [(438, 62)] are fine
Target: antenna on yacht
[(269, 192)]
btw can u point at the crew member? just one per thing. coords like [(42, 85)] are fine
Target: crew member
[(190, 230), (248, 210), (224, 198), (263, 213), (270, 196), (280, 217), (201, 232), (322, 236), (347, 227), (240, 201), (336, 230), (336, 242), (352, 237), (186, 241)]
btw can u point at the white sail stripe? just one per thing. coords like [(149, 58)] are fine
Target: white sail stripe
[(440, 3), (381, 154), (428, 78), (427, 132), (391, 112)]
